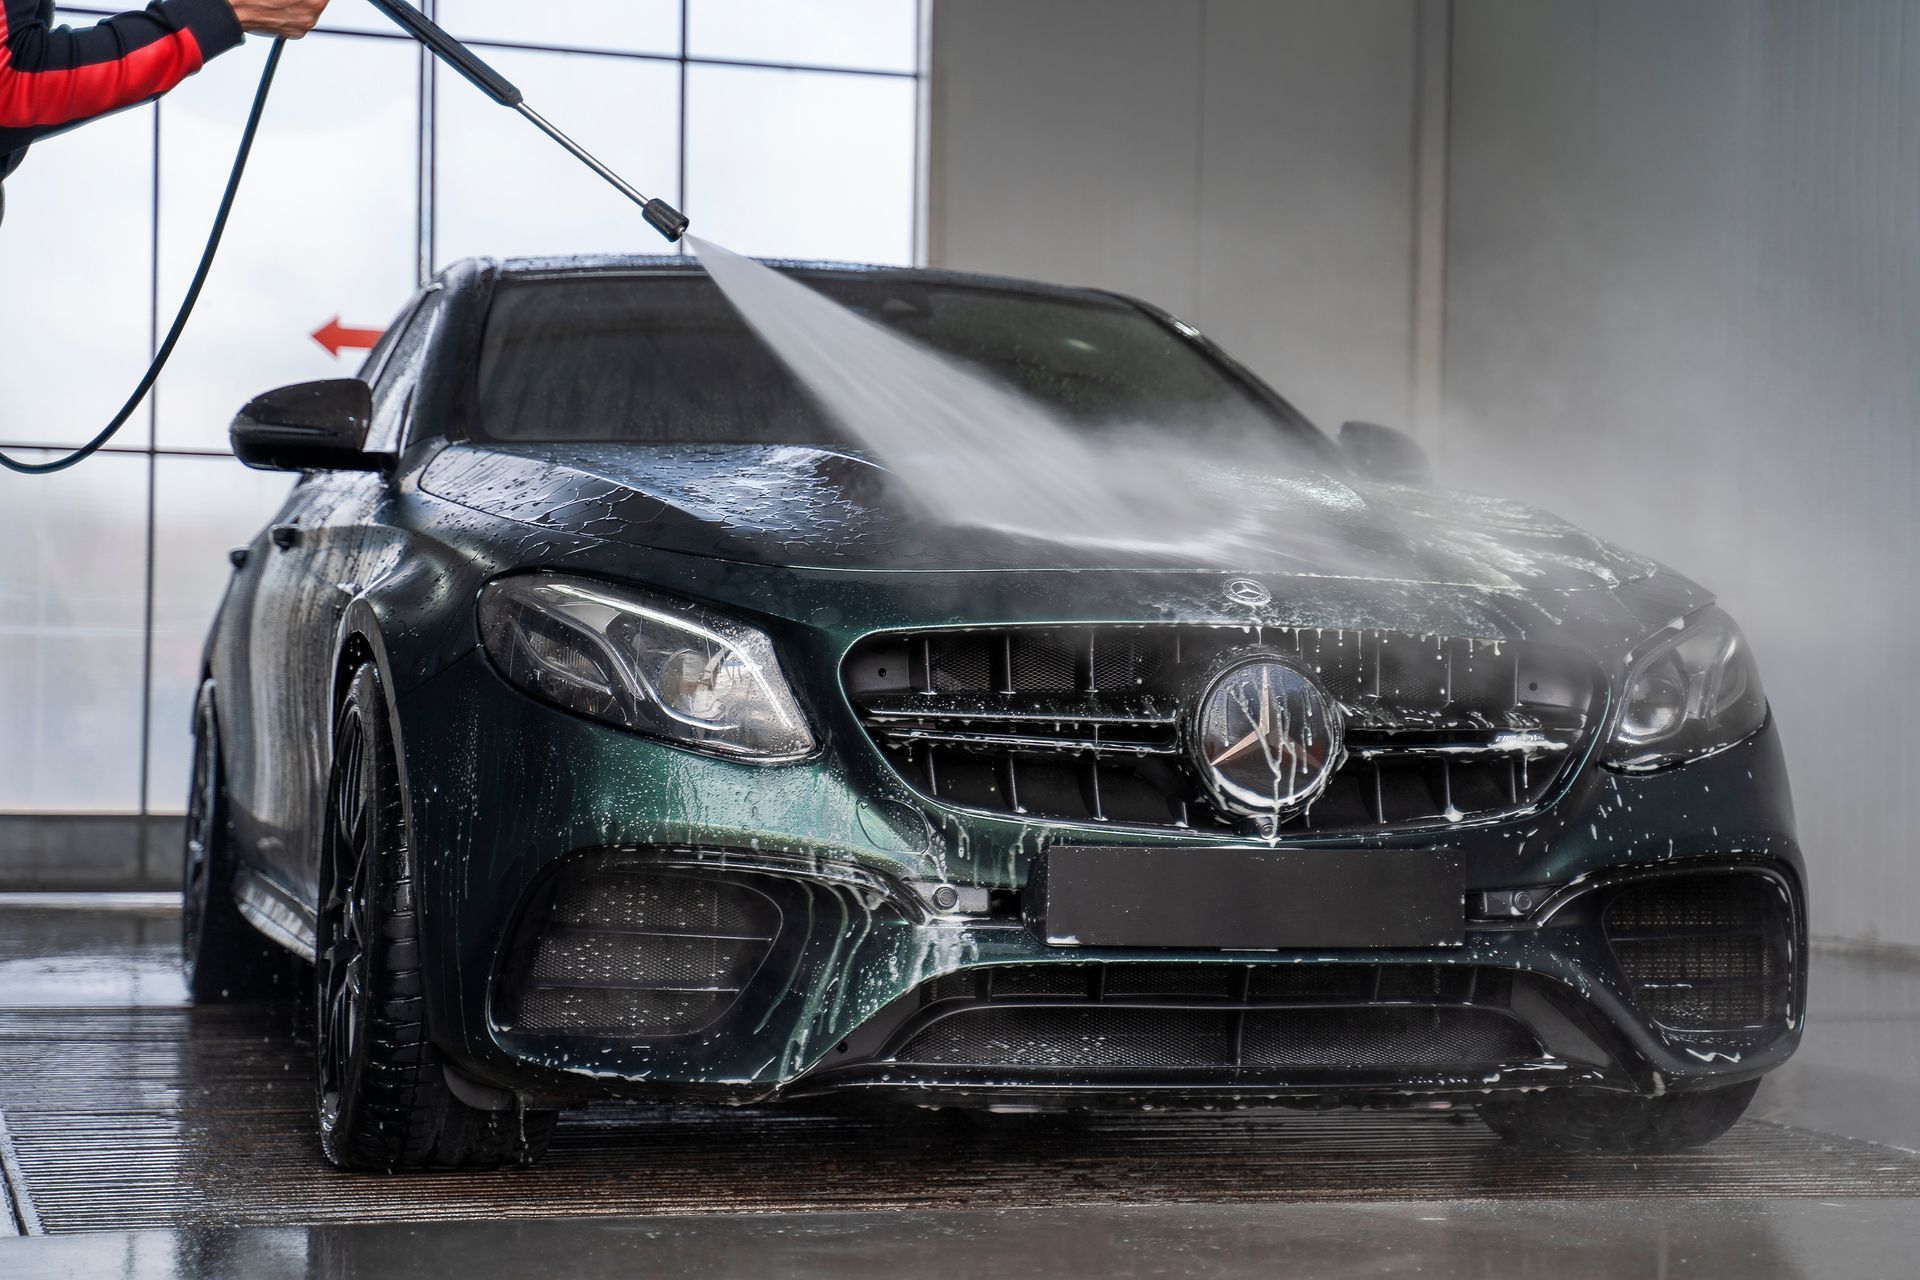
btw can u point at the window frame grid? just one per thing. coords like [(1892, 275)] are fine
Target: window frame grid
[(426, 134)]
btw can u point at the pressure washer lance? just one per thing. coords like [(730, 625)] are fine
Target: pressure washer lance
[(663, 217)]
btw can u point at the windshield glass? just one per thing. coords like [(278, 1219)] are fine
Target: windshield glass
[(665, 359)]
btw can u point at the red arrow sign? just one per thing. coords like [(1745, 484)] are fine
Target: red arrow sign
[(335, 337)]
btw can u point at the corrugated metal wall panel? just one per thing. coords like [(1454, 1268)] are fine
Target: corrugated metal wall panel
[(1683, 259)]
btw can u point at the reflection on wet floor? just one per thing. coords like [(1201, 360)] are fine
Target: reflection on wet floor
[(1858, 1069), (123, 1108), (1579, 1240), (69, 956)]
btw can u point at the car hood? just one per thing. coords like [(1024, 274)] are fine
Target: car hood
[(810, 508)]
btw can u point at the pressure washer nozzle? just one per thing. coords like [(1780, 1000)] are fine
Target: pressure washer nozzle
[(665, 219)]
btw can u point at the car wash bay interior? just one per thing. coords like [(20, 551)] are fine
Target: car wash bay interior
[(1651, 263)]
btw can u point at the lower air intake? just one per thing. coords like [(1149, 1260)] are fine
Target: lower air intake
[(1704, 953), (628, 953), (1149, 1039)]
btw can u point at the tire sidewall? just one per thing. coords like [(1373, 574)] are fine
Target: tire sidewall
[(208, 793), (365, 703)]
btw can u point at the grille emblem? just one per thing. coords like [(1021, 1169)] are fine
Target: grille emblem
[(1266, 737), (1247, 591)]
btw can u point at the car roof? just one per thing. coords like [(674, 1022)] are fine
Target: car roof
[(674, 264)]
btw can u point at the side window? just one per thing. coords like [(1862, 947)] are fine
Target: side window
[(399, 372)]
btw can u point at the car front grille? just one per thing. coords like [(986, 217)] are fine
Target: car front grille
[(626, 953), (1087, 724), (1122, 1017), (1704, 953)]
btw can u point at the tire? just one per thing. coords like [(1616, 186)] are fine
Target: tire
[(222, 957), (382, 1101), (1601, 1122)]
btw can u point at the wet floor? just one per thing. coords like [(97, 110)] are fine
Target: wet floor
[(181, 1140)]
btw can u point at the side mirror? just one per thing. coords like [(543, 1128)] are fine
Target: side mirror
[(313, 426), (1383, 453)]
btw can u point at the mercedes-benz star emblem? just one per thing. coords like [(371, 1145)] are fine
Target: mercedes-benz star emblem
[(1267, 738), (1247, 591)]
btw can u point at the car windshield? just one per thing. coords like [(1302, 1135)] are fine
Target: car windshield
[(665, 358)]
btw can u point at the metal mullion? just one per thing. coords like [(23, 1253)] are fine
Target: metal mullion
[(427, 174), (680, 245), (814, 68), (484, 42), (637, 55), (917, 232), (153, 467)]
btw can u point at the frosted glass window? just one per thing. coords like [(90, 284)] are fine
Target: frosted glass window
[(626, 26), (801, 163), (330, 225), (203, 508), (876, 35), (505, 190), (326, 225), (72, 622), (74, 322)]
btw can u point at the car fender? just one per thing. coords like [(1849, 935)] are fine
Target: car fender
[(362, 636)]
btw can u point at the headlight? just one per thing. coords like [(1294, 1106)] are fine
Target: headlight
[(644, 662), (1690, 695)]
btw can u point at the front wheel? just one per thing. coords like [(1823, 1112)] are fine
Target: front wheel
[(1576, 1121), (383, 1102)]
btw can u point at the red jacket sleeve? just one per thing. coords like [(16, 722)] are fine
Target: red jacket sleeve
[(53, 77)]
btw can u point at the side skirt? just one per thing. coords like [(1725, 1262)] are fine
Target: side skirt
[(274, 912)]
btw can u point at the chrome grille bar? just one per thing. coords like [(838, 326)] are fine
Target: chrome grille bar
[(1083, 723)]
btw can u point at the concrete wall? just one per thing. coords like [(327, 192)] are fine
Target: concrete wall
[(1247, 164), (1683, 305), (1679, 282), (88, 851)]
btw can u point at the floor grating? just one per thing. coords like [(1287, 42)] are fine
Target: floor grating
[(127, 1118)]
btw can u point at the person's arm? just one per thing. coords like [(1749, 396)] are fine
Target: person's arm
[(52, 77)]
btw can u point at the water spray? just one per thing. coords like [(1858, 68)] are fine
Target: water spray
[(660, 215)]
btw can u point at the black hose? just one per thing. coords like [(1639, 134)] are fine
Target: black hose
[(160, 358)]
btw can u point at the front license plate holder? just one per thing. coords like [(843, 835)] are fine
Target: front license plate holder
[(1240, 899)]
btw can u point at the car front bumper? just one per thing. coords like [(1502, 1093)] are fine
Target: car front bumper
[(506, 794)]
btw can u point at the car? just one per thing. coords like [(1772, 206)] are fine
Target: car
[(596, 721)]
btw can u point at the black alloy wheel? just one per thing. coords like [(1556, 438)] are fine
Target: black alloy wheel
[(340, 961)]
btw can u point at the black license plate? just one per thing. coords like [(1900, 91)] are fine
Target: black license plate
[(1248, 899)]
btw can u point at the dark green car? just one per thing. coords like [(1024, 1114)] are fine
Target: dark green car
[(599, 724)]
